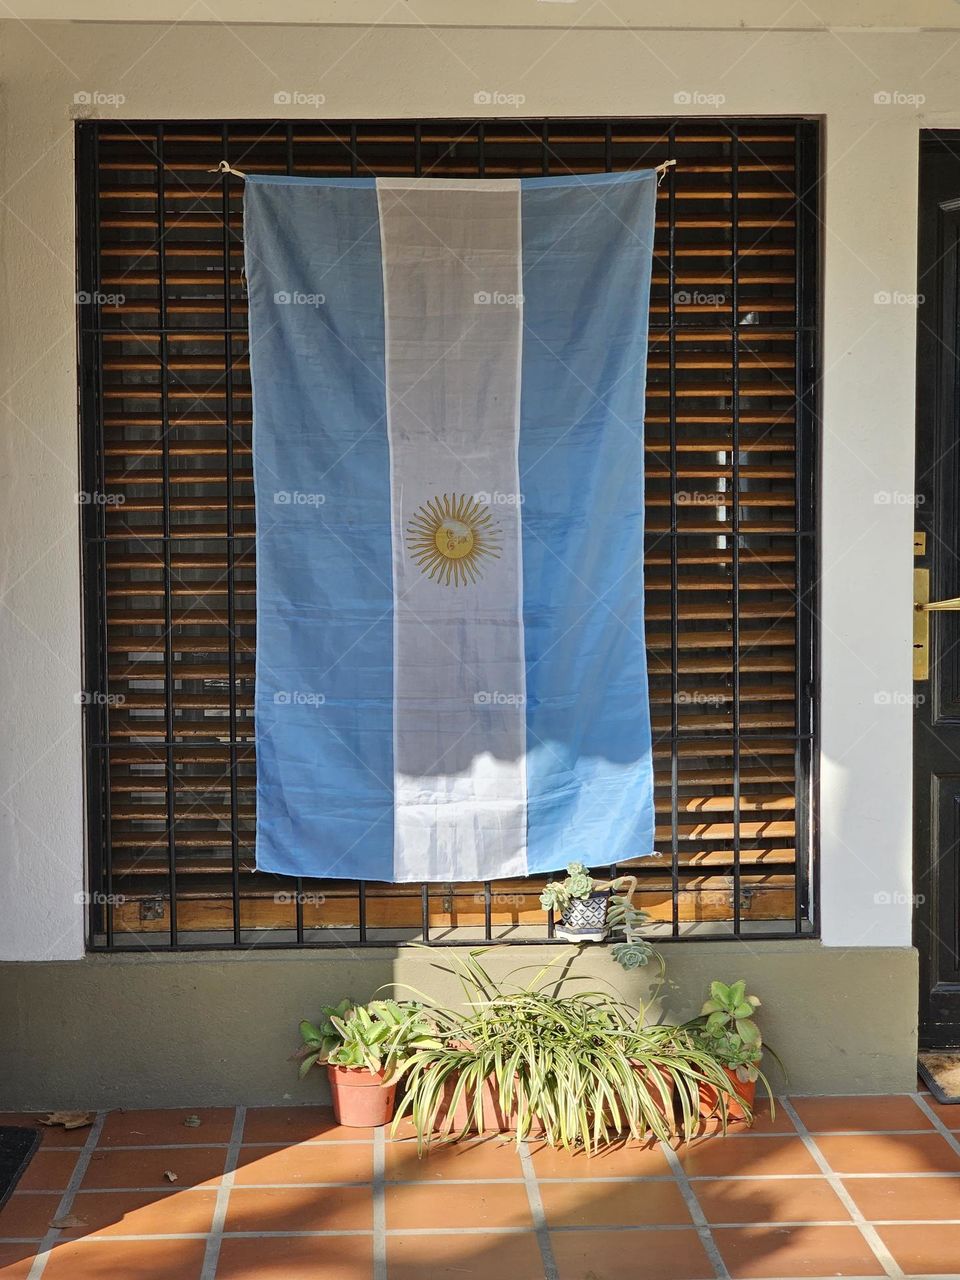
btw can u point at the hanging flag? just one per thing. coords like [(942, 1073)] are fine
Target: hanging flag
[(448, 394)]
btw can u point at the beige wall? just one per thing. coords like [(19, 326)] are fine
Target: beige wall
[(217, 1030), (220, 72)]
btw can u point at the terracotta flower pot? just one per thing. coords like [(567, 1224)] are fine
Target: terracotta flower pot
[(741, 1092), (360, 1098)]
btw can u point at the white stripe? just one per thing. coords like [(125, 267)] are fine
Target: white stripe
[(451, 254)]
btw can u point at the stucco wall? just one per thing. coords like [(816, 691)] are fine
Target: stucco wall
[(196, 1030), (221, 72)]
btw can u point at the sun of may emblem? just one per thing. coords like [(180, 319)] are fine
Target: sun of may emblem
[(451, 537)]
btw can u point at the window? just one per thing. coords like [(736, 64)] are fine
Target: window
[(168, 523)]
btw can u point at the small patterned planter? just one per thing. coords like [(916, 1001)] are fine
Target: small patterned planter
[(585, 919)]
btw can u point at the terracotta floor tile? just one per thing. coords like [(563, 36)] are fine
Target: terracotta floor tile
[(16, 1261), (293, 1258), (51, 1135), (946, 1113), (627, 1160), (862, 1115), (300, 1209), (746, 1157), (48, 1171), (770, 1200), (134, 1169), (763, 1122), (619, 1255), (906, 1198), (143, 1213), (613, 1204), (753, 1252), (426, 1205), (28, 1213), (136, 1259), (890, 1153), (924, 1250), (481, 1158), (303, 1163), (464, 1257), (161, 1128), (298, 1124)]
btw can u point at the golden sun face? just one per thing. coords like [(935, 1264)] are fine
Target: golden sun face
[(450, 538)]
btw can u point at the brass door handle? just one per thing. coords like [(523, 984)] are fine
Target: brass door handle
[(923, 606)]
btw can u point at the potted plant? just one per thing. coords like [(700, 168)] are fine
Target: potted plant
[(727, 1031), (577, 1066), (362, 1047), (589, 909)]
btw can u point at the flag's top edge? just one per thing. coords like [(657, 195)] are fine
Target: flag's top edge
[(462, 184)]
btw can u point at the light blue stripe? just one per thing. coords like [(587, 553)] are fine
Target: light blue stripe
[(282, 180), (586, 281), (324, 690)]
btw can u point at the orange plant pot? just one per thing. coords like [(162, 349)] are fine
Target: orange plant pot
[(741, 1092), (360, 1098)]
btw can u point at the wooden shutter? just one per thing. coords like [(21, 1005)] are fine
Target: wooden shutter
[(168, 516)]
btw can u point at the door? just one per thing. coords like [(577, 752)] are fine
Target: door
[(937, 674)]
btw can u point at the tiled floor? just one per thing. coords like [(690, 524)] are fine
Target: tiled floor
[(831, 1187)]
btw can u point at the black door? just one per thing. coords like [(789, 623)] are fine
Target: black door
[(937, 678)]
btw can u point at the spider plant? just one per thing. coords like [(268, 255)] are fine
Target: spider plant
[(576, 1065)]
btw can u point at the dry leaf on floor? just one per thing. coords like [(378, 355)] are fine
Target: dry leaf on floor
[(170, 1175), (69, 1119), (67, 1221)]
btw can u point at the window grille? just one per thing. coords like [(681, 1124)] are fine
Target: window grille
[(168, 522)]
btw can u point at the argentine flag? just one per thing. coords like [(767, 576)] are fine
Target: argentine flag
[(448, 382)]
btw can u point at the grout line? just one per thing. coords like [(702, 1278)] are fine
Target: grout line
[(566, 1229), (379, 1207), (66, 1200), (588, 1180), (711, 1248), (535, 1202), (211, 1255), (869, 1232), (287, 1143), (938, 1124)]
